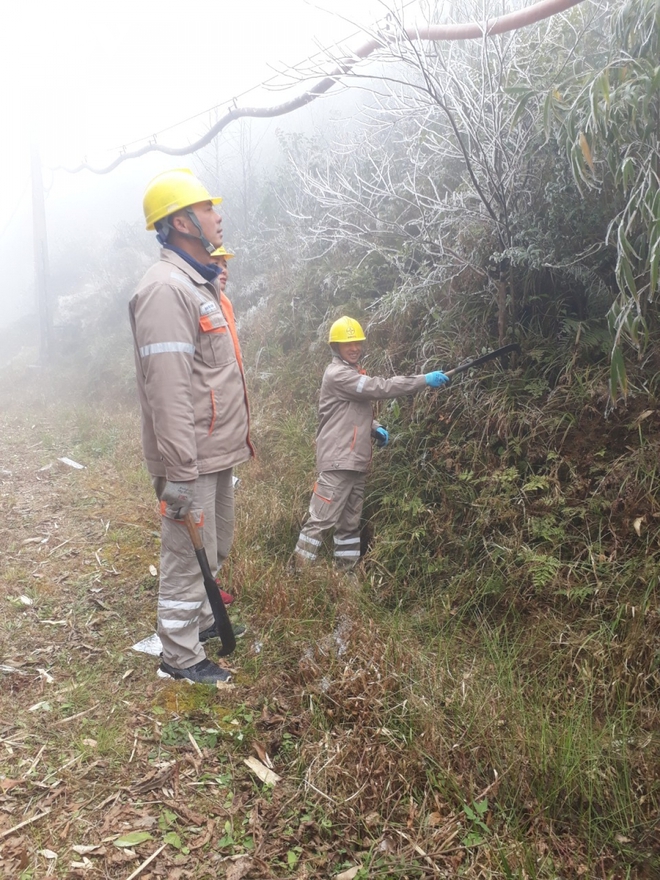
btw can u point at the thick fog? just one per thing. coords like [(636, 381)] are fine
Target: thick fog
[(88, 79)]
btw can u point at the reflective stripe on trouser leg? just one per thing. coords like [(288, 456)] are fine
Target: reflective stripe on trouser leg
[(183, 608), (347, 551), (307, 547), (347, 532)]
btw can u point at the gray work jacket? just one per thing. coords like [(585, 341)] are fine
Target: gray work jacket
[(343, 439), (191, 387)]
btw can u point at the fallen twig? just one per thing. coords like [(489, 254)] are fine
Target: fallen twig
[(34, 763), (73, 717), (193, 742), (59, 769), (148, 861), (26, 822)]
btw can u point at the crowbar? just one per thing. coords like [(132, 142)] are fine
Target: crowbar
[(222, 622), (477, 362)]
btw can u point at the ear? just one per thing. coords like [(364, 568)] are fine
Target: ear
[(179, 222)]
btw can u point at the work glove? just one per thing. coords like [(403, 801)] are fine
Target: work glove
[(178, 497), (436, 379), (381, 436)]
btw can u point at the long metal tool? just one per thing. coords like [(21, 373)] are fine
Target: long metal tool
[(222, 622), (477, 362)]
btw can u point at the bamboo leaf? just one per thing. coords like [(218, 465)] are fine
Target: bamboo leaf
[(653, 268), (586, 150), (520, 109), (547, 107), (604, 84), (627, 279), (627, 172), (618, 375)]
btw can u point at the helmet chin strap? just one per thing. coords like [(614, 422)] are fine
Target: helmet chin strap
[(164, 228), (208, 247)]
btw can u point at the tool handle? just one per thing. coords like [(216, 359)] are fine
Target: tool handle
[(193, 531), (461, 369), (220, 616), (484, 359)]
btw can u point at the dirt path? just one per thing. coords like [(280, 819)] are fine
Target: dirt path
[(93, 746)]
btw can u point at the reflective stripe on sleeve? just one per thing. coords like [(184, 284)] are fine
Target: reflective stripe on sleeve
[(355, 540), (346, 553), (360, 385), (163, 347), (304, 553)]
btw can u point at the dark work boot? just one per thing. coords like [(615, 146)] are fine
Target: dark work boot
[(203, 672), (211, 633)]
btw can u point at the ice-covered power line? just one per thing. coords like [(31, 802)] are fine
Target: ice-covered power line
[(436, 33), (323, 53)]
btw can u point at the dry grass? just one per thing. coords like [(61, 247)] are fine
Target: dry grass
[(407, 750), (94, 746)]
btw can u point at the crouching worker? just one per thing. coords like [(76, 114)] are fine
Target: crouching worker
[(195, 419), (343, 444)]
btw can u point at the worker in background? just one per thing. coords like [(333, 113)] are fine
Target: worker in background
[(195, 419), (343, 444), (219, 257)]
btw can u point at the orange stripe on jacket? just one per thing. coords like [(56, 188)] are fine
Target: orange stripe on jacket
[(213, 411), (228, 312)]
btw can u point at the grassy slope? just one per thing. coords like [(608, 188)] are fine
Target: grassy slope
[(483, 705)]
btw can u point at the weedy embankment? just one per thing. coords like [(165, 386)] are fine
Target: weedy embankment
[(482, 702), (504, 639)]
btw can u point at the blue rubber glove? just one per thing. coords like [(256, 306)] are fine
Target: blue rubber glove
[(436, 379), (381, 436)]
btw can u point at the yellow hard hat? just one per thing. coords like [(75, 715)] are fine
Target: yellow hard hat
[(171, 191), (346, 329), (223, 252)]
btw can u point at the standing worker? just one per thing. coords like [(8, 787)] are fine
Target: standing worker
[(343, 444), (219, 257), (195, 419)]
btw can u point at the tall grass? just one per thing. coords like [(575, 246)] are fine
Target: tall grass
[(505, 632)]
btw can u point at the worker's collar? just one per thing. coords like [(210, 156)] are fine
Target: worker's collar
[(208, 271)]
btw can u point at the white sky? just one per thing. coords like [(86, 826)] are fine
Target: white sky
[(91, 76), (102, 74)]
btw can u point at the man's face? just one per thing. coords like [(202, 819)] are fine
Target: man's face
[(350, 351), (210, 221), (221, 263)]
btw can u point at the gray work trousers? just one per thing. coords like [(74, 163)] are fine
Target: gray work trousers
[(336, 503), (183, 607)]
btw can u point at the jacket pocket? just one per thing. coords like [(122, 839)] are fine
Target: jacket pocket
[(216, 347), (344, 448)]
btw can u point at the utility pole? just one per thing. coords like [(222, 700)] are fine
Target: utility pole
[(41, 276)]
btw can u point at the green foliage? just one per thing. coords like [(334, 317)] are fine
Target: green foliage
[(610, 128), (478, 830)]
